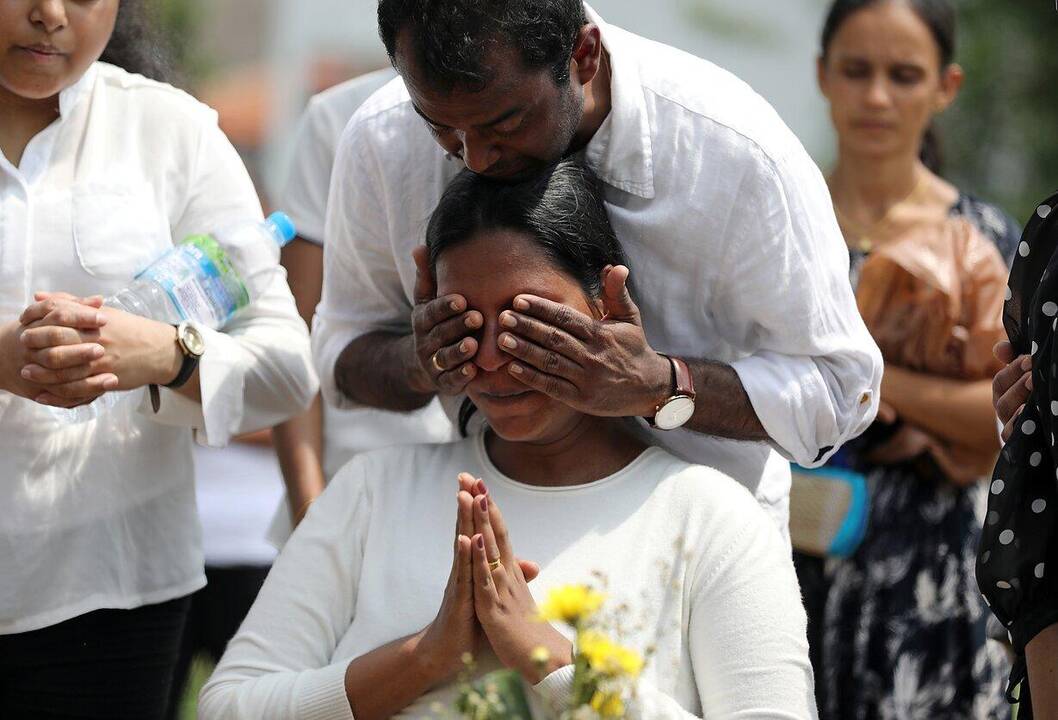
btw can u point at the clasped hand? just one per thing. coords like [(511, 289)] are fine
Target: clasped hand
[(66, 351), (487, 602), (603, 367)]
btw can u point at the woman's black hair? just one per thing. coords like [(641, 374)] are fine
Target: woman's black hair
[(939, 17), (561, 210), (136, 45)]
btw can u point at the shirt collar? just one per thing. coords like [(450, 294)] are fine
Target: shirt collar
[(72, 96), (620, 152)]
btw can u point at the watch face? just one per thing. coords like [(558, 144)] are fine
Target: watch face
[(192, 340), (675, 413)]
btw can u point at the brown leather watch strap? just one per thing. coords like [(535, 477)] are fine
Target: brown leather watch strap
[(684, 381)]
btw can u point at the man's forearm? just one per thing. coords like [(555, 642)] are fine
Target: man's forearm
[(380, 370), (722, 406)]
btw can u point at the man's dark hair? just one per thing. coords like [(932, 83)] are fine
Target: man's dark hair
[(561, 210), (451, 38), (939, 17)]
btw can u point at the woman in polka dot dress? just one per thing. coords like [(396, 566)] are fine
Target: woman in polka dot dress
[(901, 630), (1017, 567)]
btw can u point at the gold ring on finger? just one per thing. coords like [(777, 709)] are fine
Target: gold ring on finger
[(493, 564), (437, 365)]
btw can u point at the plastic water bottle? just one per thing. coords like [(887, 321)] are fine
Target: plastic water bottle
[(206, 279)]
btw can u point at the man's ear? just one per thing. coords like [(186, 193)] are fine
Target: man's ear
[(587, 54)]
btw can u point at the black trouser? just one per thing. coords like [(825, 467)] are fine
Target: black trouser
[(217, 610), (110, 664)]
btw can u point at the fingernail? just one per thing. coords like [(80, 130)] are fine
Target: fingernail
[(481, 543), (464, 346), (456, 305), (465, 371), (516, 368), (484, 503), (508, 341), (97, 351), (101, 319), (481, 487), (507, 320), (471, 321), (1026, 364), (521, 304), (25, 373)]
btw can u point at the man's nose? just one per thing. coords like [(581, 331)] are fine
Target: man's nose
[(479, 154)]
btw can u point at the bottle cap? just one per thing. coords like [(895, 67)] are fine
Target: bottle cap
[(283, 227)]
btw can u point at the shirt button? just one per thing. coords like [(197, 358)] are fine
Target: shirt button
[(865, 398)]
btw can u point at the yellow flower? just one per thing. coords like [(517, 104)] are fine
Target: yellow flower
[(608, 705), (608, 658), (571, 604)]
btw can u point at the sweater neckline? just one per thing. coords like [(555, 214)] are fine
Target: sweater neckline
[(498, 475)]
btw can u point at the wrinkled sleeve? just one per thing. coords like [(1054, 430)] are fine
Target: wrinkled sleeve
[(279, 664), (814, 372), (257, 371), (362, 290)]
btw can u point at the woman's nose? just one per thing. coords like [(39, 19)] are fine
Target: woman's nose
[(49, 14), (490, 357), (878, 92)]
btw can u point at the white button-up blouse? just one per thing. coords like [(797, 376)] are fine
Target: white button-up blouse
[(102, 514)]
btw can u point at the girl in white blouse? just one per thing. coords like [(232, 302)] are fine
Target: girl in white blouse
[(380, 591), (101, 171)]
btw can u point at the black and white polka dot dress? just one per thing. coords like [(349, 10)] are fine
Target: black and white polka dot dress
[(1017, 562)]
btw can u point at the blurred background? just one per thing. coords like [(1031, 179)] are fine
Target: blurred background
[(258, 61)]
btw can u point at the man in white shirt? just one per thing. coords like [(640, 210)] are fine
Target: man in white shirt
[(737, 261)]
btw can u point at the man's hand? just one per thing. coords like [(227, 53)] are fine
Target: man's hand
[(441, 329), (1011, 386), (601, 367)]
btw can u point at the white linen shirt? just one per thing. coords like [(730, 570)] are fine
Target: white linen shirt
[(353, 430), (734, 249), (102, 514)]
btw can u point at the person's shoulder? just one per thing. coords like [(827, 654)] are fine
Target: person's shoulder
[(332, 108), (722, 106), (701, 489), (387, 126), (991, 221), (159, 101)]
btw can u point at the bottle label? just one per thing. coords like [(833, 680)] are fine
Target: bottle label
[(200, 280)]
